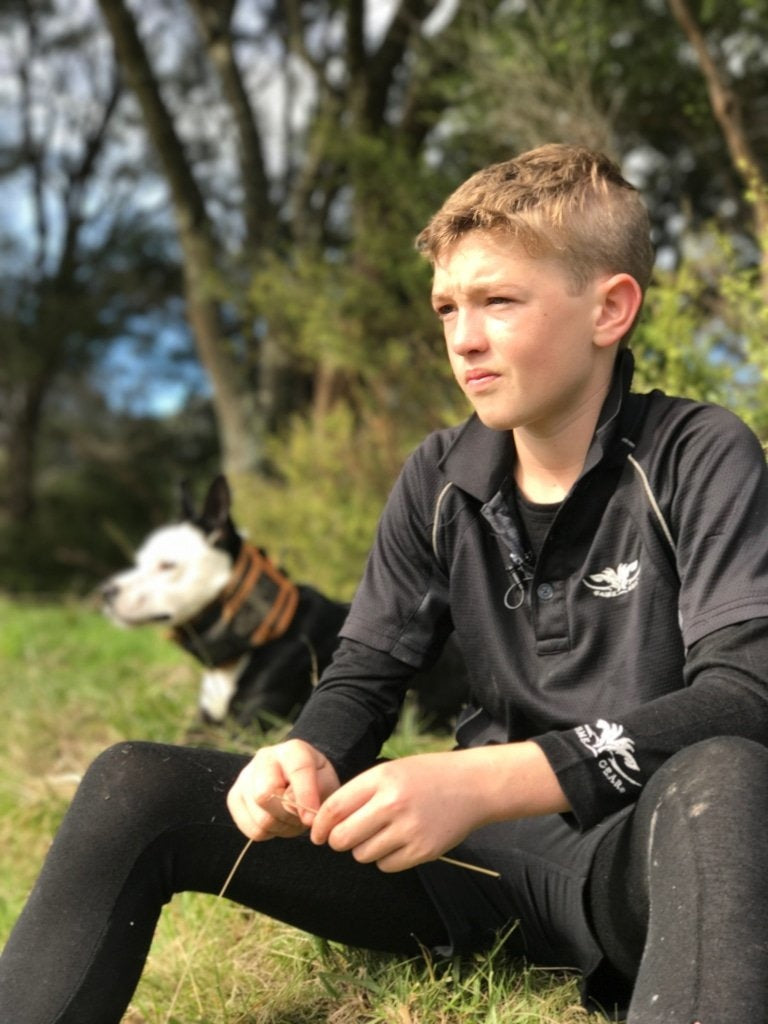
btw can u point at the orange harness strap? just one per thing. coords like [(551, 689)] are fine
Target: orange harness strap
[(251, 568)]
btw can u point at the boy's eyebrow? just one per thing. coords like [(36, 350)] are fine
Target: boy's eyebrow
[(480, 286)]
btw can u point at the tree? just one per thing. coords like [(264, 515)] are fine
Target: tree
[(233, 396), (76, 267), (366, 104), (285, 153), (728, 111)]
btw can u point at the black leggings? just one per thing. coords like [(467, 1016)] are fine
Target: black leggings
[(687, 867), (679, 892)]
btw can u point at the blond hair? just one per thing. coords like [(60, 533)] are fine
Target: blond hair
[(566, 202)]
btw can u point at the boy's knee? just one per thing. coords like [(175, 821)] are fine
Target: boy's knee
[(715, 772), (719, 756), (117, 764), (126, 779)]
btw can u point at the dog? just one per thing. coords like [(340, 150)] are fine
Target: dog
[(262, 639)]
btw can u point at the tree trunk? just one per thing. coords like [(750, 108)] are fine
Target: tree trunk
[(241, 435), (23, 433)]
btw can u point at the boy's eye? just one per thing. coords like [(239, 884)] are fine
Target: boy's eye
[(444, 310)]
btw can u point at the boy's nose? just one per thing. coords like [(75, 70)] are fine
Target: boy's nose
[(468, 334)]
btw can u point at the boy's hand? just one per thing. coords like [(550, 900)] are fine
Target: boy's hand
[(279, 791), (403, 812)]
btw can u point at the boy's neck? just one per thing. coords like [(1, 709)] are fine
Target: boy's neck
[(546, 485), (546, 468)]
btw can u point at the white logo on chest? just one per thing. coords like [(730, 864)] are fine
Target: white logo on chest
[(614, 582)]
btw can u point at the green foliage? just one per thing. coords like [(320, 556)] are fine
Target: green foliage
[(319, 516), (318, 519), (671, 348), (620, 77), (702, 334), (355, 307)]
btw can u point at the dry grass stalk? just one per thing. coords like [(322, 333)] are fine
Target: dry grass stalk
[(201, 933)]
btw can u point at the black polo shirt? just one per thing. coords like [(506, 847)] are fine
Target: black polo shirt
[(662, 542)]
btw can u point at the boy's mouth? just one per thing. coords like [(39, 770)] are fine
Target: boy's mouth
[(475, 379)]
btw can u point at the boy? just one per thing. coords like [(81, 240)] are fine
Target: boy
[(603, 560)]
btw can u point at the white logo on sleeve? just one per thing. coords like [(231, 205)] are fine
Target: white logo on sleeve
[(610, 746), (614, 582)]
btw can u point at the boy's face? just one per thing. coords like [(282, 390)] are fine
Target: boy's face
[(520, 342)]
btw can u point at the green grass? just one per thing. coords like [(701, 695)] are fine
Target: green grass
[(73, 684)]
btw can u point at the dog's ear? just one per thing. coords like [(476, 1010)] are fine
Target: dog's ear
[(218, 500)]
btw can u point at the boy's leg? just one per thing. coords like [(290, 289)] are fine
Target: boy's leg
[(679, 890), (151, 820)]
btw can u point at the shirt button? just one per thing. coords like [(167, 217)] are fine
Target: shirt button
[(545, 591)]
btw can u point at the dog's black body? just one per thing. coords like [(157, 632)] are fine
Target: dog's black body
[(278, 677), (269, 638)]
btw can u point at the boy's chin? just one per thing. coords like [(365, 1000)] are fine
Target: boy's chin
[(494, 420)]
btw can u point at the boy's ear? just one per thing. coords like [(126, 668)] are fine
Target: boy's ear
[(621, 297)]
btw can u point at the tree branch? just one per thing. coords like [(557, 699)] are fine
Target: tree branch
[(132, 58), (80, 176), (407, 22), (727, 110), (215, 24)]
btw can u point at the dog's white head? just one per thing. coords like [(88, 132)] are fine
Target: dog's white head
[(179, 569), (177, 572)]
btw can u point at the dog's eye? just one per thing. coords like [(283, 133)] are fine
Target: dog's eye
[(166, 566)]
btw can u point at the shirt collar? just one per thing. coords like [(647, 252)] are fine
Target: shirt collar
[(479, 460)]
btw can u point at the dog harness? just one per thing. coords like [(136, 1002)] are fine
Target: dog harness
[(256, 607)]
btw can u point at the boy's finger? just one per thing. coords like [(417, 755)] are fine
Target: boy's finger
[(340, 806)]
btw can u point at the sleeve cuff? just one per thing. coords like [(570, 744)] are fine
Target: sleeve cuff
[(593, 786)]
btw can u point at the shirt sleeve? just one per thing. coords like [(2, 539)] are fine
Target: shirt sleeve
[(711, 481), (401, 606), (602, 766), (398, 624), (354, 707)]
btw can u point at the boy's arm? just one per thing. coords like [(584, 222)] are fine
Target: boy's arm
[(361, 693), (355, 707), (602, 765), (710, 482), (404, 812)]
